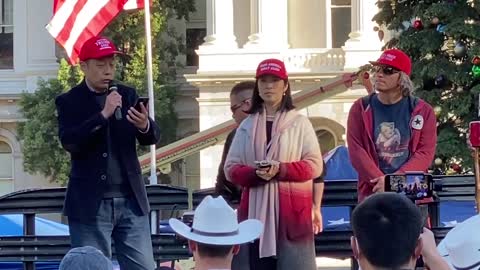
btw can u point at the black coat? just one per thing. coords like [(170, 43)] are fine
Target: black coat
[(223, 187), (83, 133)]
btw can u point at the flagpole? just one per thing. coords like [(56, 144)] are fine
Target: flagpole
[(151, 109)]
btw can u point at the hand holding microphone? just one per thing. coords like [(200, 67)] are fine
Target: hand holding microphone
[(112, 87), (113, 103)]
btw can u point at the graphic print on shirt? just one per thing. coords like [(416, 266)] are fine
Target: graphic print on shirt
[(392, 150)]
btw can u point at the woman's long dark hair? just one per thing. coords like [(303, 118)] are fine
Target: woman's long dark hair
[(257, 101)]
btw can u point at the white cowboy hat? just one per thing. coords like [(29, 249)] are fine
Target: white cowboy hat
[(215, 223), (461, 246)]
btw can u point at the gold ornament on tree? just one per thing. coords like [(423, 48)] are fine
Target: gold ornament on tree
[(449, 46), (437, 110), (394, 5)]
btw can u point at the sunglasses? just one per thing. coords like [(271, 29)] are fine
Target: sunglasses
[(235, 107), (386, 70)]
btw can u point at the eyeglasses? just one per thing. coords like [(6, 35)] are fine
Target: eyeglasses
[(235, 107), (387, 70)]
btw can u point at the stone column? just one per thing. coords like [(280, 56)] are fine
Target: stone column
[(364, 44), (269, 25), (220, 35)]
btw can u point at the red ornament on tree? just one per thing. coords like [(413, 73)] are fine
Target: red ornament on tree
[(476, 61), (456, 168), (417, 24)]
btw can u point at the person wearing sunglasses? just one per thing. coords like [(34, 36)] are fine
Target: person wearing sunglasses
[(240, 102), (390, 131)]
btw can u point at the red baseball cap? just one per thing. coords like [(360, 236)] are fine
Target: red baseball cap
[(96, 48), (273, 67), (396, 59)]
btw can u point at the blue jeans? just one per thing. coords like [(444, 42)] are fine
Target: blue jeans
[(120, 219)]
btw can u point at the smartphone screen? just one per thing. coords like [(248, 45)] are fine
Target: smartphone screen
[(143, 100), (415, 186)]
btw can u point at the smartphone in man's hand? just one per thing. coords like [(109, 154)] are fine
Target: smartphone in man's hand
[(415, 185), (143, 100)]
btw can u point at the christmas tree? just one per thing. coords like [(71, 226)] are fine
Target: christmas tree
[(442, 38)]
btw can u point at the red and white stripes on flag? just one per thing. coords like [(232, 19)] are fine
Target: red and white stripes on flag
[(135, 4), (76, 21)]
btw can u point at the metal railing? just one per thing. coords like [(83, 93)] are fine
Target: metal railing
[(30, 248)]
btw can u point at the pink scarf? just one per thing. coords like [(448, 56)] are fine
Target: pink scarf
[(264, 199)]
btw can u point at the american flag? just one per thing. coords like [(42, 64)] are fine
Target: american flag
[(76, 21)]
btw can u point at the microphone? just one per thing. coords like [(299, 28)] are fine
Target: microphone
[(112, 86)]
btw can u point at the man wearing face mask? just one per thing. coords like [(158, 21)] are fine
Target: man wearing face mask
[(390, 131), (240, 102), (106, 196)]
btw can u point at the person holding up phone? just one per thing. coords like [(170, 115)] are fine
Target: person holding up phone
[(390, 131), (106, 197), (141, 101), (274, 156)]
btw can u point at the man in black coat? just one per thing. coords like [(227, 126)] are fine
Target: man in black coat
[(106, 197), (240, 102)]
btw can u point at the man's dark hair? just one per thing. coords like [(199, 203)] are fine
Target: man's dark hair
[(213, 251), (242, 86), (387, 227), (257, 102)]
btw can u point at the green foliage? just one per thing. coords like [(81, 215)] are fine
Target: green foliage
[(39, 134), (432, 53), (128, 32), (42, 151)]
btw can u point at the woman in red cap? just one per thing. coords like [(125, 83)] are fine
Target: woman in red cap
[(274, 156)]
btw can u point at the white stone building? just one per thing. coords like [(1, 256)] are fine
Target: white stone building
[(317, 39), (26, 53)]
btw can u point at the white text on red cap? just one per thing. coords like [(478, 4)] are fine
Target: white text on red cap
[(388, 57), (103, 44), (270, 66)]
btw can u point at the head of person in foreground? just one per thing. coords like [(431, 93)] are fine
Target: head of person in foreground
[(216, 235)]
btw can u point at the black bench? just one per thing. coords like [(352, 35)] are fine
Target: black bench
[(336, 244), (31, 248), (344, 193), (166, 247)]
